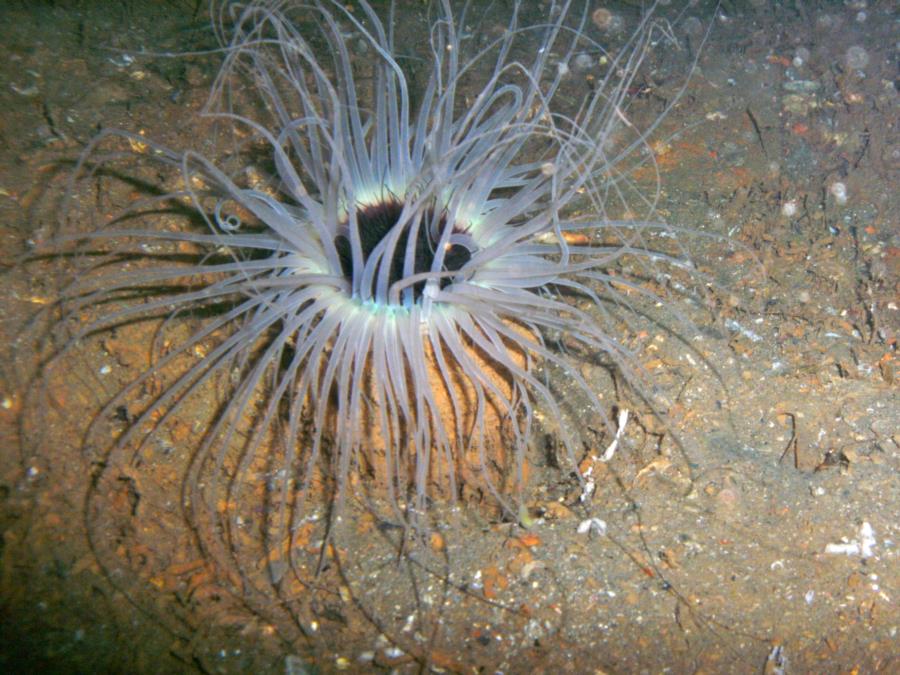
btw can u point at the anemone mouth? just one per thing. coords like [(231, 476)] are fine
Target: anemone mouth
[(384, 227)]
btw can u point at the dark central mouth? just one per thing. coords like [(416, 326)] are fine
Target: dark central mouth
[(375, 222)]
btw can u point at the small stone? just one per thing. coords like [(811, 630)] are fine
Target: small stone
[(195, 76), (582, 63), (796, 104), (890, 154), (856, 58), (801, 57), (802, 86), (839, 191), (789, 208), (606, 20), (727, 498)]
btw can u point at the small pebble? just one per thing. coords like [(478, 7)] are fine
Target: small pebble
[(890, 154), (604, 19), (582, 63), (856, 58), (801, 56), (727, 497), (802, 86), (839, 192), (789, 208)]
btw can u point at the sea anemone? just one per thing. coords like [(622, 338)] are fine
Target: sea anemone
[(379, 265)]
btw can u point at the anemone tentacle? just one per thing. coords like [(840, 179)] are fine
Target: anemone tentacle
[(376, 296)]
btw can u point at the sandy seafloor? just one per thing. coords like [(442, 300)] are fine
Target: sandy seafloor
[(770, 542)]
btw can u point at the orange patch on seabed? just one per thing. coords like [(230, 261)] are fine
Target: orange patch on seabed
[(734, 177), (684, 154), (527, 540), (780, 60)]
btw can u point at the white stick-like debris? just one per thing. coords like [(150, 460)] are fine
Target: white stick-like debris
[(611, 450)]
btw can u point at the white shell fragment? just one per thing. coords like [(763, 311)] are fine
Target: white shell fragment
[(862, 547), (592, 525), (839, 192), (589, 487)]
